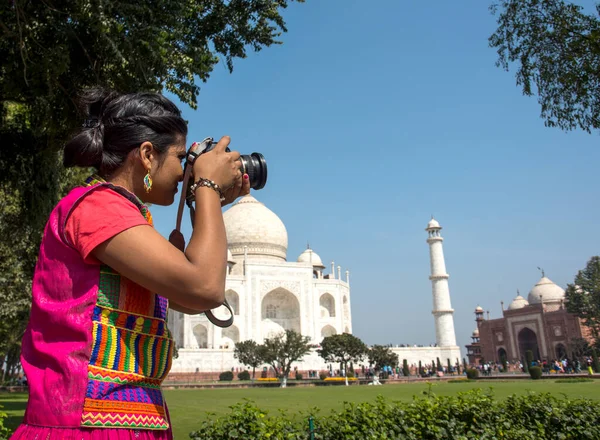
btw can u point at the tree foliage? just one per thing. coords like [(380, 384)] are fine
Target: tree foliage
[(556, 47), (381, 356), (249, 353), (342, 348), (583, 296), (49, 52), (282, 350)]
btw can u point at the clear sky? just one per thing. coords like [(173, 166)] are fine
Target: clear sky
[(375, 115)]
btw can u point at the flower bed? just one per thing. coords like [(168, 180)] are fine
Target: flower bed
[(267, 379), (339, 379)]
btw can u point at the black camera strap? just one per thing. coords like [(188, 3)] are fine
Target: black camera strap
[(195, 151)]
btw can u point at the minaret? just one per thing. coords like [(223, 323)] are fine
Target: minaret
[(442, 309)]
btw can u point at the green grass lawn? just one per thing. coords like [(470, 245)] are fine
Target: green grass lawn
[(189, 407)]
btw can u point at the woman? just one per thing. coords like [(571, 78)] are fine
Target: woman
[(97, 345)]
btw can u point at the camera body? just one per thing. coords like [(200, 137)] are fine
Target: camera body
[(253, 164)]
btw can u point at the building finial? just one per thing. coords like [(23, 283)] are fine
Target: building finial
[(307, 245), (542, 270)]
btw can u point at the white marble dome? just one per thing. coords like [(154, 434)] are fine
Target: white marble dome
[(478, 309), (518, 303), (475, 333), (253, 228), (433, 224), (310, 256), (545, 290)]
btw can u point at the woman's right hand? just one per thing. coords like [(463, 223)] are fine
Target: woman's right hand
[(218, 165)]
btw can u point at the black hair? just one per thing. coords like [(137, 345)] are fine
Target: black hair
[(116, 124)]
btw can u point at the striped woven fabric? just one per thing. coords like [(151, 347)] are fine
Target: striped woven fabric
[(131, 353)]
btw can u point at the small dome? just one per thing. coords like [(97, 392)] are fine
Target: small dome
[(518, 303), (230, 257), (254, 228), (476, 333), (478, 309), (433, 224), (545, 290), (310, 256)]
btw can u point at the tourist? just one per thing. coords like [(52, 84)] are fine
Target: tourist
[(97, 346)]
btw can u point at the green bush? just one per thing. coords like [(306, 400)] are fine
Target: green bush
[(4, 432), (535, 372), (243, 375), (226, 376), (574, 380), (472, 373), (350, 374), (470, 415), (323, 375), (299, 376)]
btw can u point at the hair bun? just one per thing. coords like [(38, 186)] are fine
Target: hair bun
[(85, 149)]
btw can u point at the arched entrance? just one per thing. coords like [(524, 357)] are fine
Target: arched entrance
[(327, 304), (230, 337), (280, 307), (528, 341), (234, 300), (201, 335), (561, 351), (502, 355), (327, 331)]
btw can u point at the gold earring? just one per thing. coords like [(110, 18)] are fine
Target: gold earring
[(148, 182)]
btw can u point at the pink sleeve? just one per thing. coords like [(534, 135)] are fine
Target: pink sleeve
[(99, 216)]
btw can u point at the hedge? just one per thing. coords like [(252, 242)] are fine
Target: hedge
[(470, 415)]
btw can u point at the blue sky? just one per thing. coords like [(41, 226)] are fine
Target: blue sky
[(375, 115)]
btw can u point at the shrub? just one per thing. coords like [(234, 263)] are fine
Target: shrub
[(574, 380), (323, 375), (226, 376), (4, 433), (350, 374), (535, 372), (469, 415), (405, 369), (299, 376), (244, 375), (472, 373)]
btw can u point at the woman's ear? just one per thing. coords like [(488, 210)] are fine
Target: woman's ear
[(147, 155)]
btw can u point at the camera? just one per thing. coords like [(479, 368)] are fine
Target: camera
[(253, 164)]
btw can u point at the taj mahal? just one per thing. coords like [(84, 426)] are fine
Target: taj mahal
[(269, 294)]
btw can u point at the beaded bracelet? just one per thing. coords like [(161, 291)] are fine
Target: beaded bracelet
[(209, 184)]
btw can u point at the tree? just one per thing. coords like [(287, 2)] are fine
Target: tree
[(405, 369), (342, 348), (580, 348), (249, 353), (420, 373), (49, 52), (438, 364), (381, 356), (557, 49), (595, 362), (583, 296), (284, 349)]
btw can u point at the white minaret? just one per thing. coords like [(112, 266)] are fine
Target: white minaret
[(442, 309)]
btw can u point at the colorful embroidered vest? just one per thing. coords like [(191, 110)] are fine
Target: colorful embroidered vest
[(97, 346), (131, 352)]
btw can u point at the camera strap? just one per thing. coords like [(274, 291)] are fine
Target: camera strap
[(195, 150)]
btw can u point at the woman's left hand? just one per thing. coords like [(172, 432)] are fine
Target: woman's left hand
[(240, 188)]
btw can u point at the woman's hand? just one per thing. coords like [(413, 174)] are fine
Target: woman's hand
[(240, 188), (218, 165)]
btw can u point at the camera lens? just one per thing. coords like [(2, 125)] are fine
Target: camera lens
[(255, 166)]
